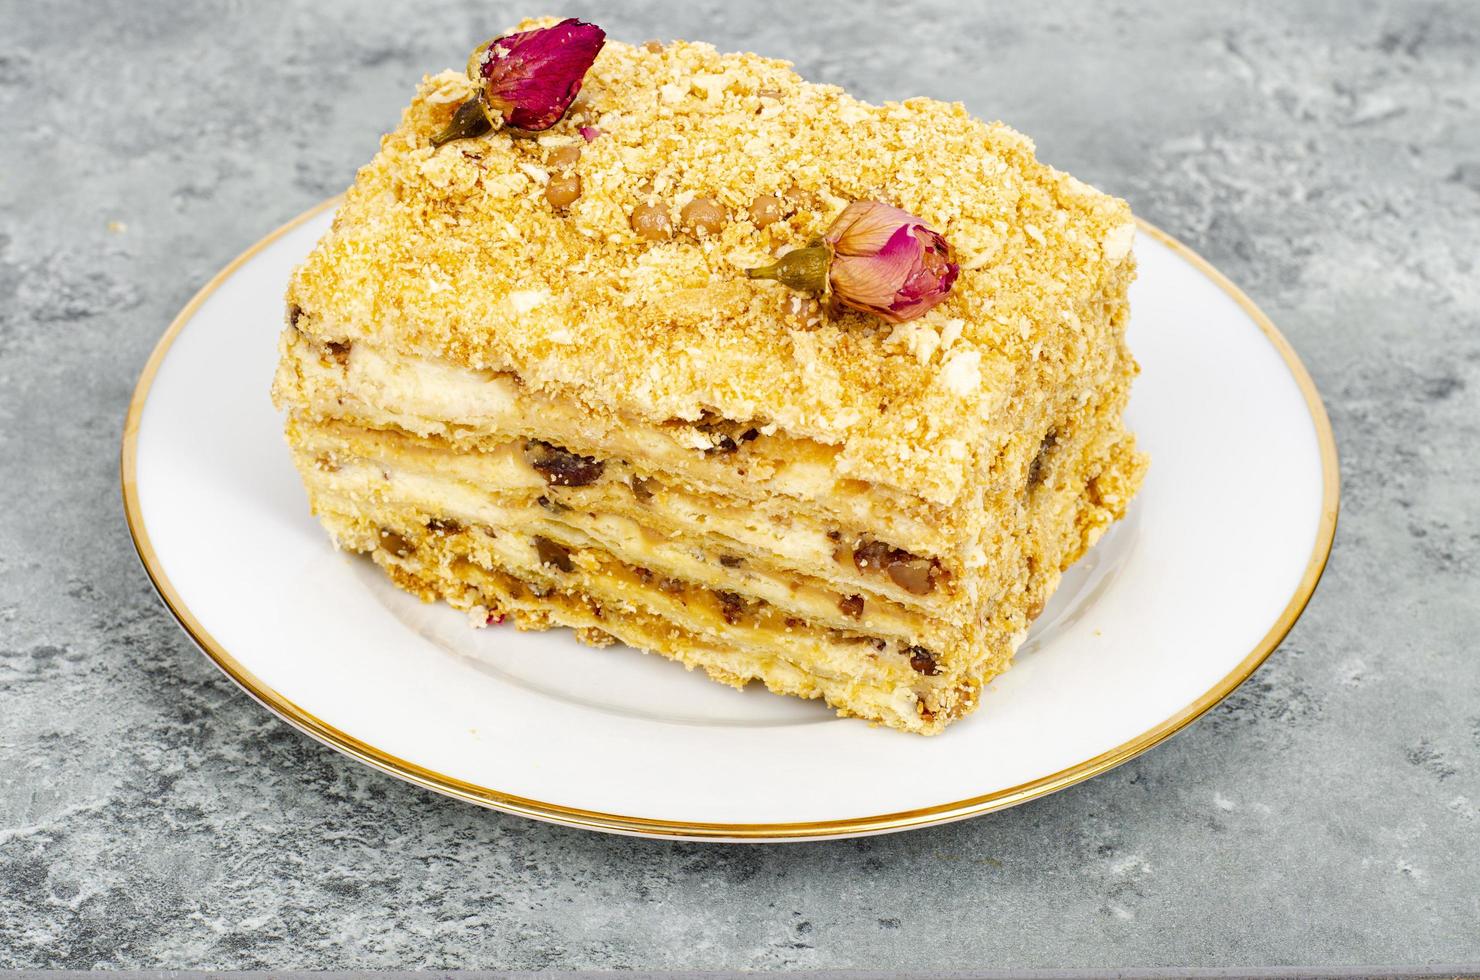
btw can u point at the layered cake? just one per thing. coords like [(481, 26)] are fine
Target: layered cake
[(720, 365)]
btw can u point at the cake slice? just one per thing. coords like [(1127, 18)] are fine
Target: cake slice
[(528, 374)]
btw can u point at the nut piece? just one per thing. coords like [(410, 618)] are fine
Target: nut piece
[(653, 46), (851, 605), (871, 554), (565, 156), (731, 606), (923, 661), (729, 444), (912, 575), (703, 216), (765, 210), (338, 350), (563, 190), (562, 468), (552, 553), (650, 221)]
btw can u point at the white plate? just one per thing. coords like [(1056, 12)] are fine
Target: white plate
[(1170, 612)]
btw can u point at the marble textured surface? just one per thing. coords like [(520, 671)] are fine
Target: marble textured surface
[(1325, 154)]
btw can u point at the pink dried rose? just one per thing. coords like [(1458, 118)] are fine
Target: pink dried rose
[(526, 80), (875, 258)]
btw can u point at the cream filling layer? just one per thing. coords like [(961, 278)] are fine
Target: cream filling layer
[(896, 701), (764, 534), (593, 576), (376, 388), (401, 500)]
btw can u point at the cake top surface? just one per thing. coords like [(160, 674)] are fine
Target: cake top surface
[(456, 252)]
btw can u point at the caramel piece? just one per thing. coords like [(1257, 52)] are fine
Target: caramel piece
[(765, 210), (562, 191), (703, 216), (395, 544), (651, 222), (564, 157)]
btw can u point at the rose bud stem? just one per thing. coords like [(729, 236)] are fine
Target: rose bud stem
[(471, 119), (803, 269)]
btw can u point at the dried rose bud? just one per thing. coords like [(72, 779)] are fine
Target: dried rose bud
[(886, 261), (528, 80), (875, 258), (532, 78)]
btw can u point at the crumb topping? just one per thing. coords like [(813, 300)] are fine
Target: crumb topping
[(621, 283)]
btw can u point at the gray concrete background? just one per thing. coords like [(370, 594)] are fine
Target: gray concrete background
[(1326, 155)]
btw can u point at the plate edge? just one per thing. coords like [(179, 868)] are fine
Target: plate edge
[(942, 813)]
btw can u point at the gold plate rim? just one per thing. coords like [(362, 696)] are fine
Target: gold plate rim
[(418, 775)]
